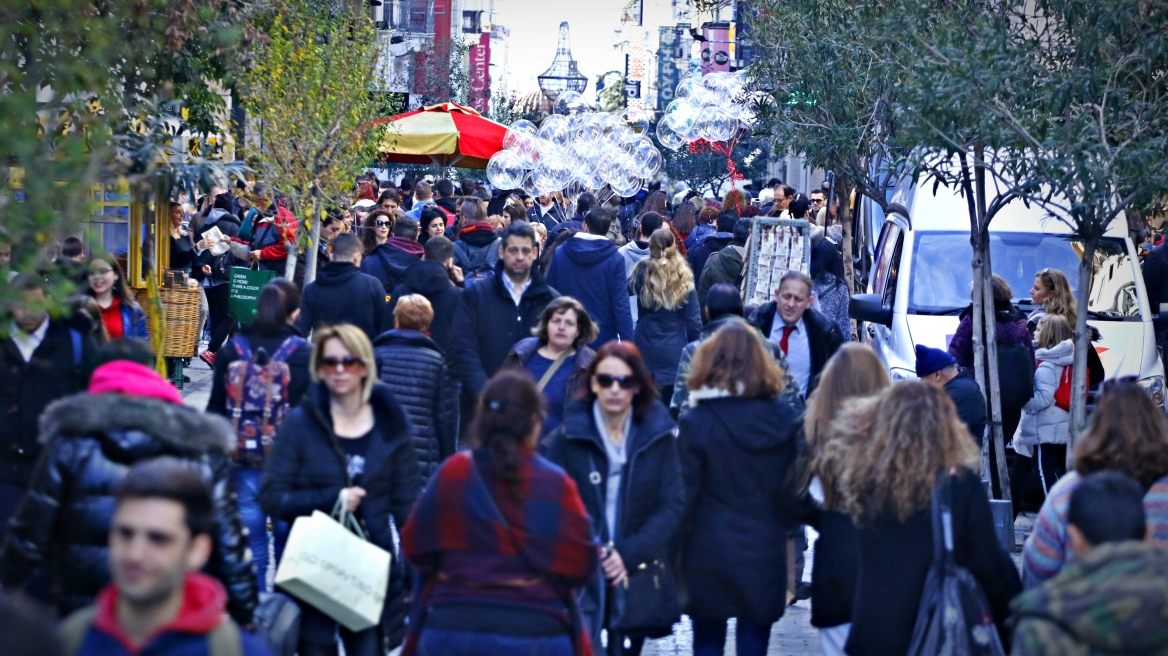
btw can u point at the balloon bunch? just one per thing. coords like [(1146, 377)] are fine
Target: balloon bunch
[(577, 149), (707, 109)]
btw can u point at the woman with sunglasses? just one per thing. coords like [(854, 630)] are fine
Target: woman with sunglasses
[(347, 442), (1052, 294), (120, 313), (737, 444), (378, 225), (1127, 434), (617, 445)]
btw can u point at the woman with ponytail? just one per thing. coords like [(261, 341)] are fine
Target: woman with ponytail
[(617, 443), (668, 313), (501, 541)]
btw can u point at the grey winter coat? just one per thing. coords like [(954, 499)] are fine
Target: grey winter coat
[(1043, 422)]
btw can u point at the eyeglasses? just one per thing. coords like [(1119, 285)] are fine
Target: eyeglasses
[(383, 224), (349, 362), (816, 201), (606, 381)]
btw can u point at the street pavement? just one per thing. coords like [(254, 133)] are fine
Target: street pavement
[(792, 635)]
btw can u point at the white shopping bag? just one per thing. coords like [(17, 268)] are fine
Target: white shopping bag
[(335, 570)]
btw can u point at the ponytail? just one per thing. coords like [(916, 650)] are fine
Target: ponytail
[(510, 409)]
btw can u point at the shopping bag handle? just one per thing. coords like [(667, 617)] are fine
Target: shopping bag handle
[(348, 520)]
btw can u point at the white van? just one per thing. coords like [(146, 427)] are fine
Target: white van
[(921, 279)]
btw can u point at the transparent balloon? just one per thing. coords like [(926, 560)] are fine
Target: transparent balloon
[(525, 147), (667, 136), (565, 99), (552, 173), (686, 87), (505, 171), (683, 115), (637, 119), (523, 126), (528, 185), (556, 132), (647, 157)]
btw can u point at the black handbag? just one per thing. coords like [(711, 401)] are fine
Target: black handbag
[(648, 603), (954, 617)]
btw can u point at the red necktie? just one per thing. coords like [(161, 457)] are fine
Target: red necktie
[(787, 330)]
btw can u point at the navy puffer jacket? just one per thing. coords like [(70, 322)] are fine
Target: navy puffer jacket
[(414, 369)]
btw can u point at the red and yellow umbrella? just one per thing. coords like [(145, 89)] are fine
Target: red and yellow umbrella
[(446, 134)]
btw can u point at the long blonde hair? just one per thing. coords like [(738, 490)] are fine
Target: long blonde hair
[(1061, 300), (895, 443), (854, 372), (356, 342), (668, 279)]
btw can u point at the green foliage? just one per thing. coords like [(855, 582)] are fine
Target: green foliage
[(77, 76), (829, 86), (705, 169), (309, 87)]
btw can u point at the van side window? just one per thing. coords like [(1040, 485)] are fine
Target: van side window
[(888, 298), (889, 246)]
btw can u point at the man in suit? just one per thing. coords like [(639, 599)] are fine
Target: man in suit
[(805, 336)]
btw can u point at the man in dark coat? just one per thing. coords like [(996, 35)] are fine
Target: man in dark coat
[(414, 368), (589, 268), (342, 294), (584, 203), (728, 264), (444, 196), (91, 440), (939, 369), (498, 312), (390, 261), (432, 278), (43, 359), (806, 337), (700, 254), (547, 211)]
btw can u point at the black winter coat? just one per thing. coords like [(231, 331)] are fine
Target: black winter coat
[(895, 559), (735, 457), (389, 265), (700, 254), (342, 294), (431, 280), (307, 470), (91, 441), (823, 337), (412, 366), (555, 216), (662, 334), (297, 366), (971, 407), (488, 324), (652, 495), (26, 388)]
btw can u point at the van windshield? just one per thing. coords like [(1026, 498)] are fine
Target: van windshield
[(942, 276)]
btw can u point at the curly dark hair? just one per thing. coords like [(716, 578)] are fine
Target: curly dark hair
[(510, 409)]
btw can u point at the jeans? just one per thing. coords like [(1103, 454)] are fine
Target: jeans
[(246, 482), (449, 642), (749, 639)]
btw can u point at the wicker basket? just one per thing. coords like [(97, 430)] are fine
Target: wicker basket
[(181, 307)]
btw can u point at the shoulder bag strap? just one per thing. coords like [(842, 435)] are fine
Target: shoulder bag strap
[(74, 628), (547, 375), (942, 505), (224, 640)]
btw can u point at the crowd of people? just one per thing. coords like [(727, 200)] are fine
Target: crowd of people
[(562, 421)]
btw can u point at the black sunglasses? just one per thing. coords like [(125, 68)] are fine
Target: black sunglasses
[(383, 224), (606, 381), (349, 362)]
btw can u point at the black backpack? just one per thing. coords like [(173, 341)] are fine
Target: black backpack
[(954, 617), (1015, 375)]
